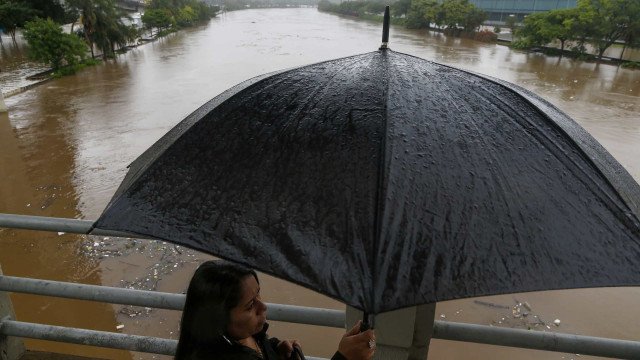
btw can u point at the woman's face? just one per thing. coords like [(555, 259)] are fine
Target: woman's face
[(249, 316)]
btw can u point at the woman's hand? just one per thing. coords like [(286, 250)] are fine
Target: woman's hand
[(356, 345), (285, 348)]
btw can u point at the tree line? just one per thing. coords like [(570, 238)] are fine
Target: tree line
[(453, 16), (170, 15), (600, 23), (103, 26)]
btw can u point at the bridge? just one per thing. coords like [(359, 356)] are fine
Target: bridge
[(499, 10), (130, 5), (402, 334)]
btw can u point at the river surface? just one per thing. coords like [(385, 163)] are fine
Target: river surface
[(65, 145)]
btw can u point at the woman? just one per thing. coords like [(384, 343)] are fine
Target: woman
[(224, 318)]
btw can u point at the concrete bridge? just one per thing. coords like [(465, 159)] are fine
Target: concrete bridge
[(499, 10), (131, 5)]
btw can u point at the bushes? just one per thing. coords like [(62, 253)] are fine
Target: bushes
[(487, 36), (186, 16), (631, 65), (158, 18), (48, 44), (166, 16), (456, 16)]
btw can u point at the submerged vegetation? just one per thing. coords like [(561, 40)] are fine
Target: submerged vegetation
[(96, 25), (48, 44), (170, 15), (456, 17), (599, 23)]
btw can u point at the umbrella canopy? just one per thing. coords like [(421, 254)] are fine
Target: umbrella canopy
[(385, 181)]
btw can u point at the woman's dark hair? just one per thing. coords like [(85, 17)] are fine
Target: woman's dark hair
[(214, 290)]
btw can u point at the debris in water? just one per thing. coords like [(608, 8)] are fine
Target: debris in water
[(489, 304), (120, 327), (556, 322), (60, 233)]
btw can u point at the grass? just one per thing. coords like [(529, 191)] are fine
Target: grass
[(631, 65), (70, 70)]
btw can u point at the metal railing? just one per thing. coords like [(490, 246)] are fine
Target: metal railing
[(153, 299), (88, 337), (159, 300), (567, 343)]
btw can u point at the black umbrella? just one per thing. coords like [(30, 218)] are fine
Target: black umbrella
[(385, 181)]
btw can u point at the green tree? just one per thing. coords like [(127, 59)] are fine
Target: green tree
[(541, 28), (473, 19), (109, 28), (110, 33), (205, 11), (606, 21), (421, 14), (454, 13), (461, 15), (186, 16), (631, 34), (87, 11), (102, 24), (559, 25), (163, 14), (158, 18), (14, 14), (48, 44), (579, 31), (52, 9), (531, 33), (374, 7), (400, 8)]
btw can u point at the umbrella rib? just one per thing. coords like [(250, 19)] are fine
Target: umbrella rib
[(381, 181)]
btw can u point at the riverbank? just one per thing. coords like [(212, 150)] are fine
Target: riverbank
[(25, 88), (485, 35), (589, 58), (48, 74)]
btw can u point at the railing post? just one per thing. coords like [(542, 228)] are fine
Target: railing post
[(3, 106), (11, 348), (401, 334)]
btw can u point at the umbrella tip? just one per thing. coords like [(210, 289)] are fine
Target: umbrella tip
[(385, 29)]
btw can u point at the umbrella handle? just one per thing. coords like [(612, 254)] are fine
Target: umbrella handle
[(368, 321), (297, 354)]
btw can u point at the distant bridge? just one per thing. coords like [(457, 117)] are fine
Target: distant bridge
[(499, 10), (131, 5)]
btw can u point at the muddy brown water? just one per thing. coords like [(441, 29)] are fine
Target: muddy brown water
[(65, 145)]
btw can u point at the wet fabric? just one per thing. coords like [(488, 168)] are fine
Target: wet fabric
[(385, 181)]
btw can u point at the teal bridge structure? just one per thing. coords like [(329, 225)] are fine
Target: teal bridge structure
[(499, 10)]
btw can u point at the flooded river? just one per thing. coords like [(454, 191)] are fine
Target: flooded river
[(65, 145)]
